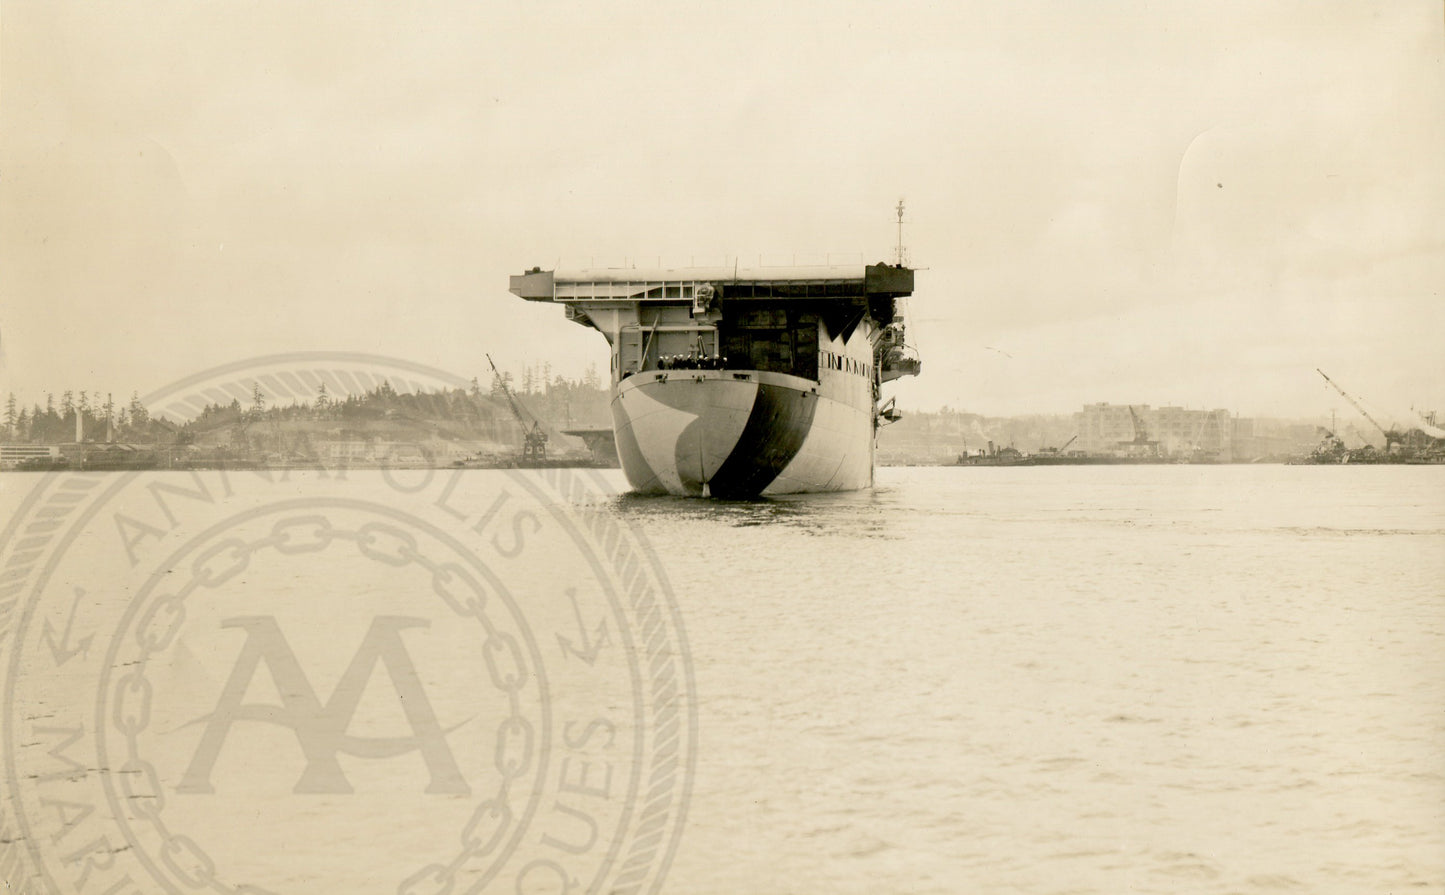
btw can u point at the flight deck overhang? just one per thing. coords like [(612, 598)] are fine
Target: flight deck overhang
[(633, 284), (534, 285)]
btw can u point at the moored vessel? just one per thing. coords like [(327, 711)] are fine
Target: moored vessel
[(734, 383)]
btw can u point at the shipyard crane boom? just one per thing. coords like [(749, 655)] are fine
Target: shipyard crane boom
[(506, 392), (534, 440), (1061, 449), (1391, 437), (1197, 443), (1141, 434)]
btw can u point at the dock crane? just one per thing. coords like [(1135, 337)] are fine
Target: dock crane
[(534, 440), (1141, 434), (1392, 437)]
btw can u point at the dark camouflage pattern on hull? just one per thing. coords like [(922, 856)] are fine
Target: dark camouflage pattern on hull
[(733, 445), (776, 429)]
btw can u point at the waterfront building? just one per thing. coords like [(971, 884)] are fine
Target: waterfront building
[(1140, 430), (12, 455)]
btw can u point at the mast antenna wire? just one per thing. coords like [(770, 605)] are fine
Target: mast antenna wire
[(899, 255)]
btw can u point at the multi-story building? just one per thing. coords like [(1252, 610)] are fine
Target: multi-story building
[(1103, 428), (1141, 430), (433, 451), (12, 455), (343, 453), (1192, 434)]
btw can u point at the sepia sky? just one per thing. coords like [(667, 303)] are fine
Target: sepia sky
[(1147, 202)]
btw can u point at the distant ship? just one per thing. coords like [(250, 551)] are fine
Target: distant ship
[(734, 383)]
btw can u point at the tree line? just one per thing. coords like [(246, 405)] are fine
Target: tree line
[(556, 401), (100, 419)]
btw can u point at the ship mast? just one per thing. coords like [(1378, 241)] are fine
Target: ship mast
[(898, 252)]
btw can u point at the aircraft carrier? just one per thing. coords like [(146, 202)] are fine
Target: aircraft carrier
[(733, 382)]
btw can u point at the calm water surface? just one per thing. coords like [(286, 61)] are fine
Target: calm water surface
[(1047, 680), (1077, 679)]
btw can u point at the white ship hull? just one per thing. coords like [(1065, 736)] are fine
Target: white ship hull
[(713, 433)]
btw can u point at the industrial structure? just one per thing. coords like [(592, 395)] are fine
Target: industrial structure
[(534, 440), (1170, 433), (1420, 442)]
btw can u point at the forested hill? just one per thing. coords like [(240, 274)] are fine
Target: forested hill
[(469, 414)]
